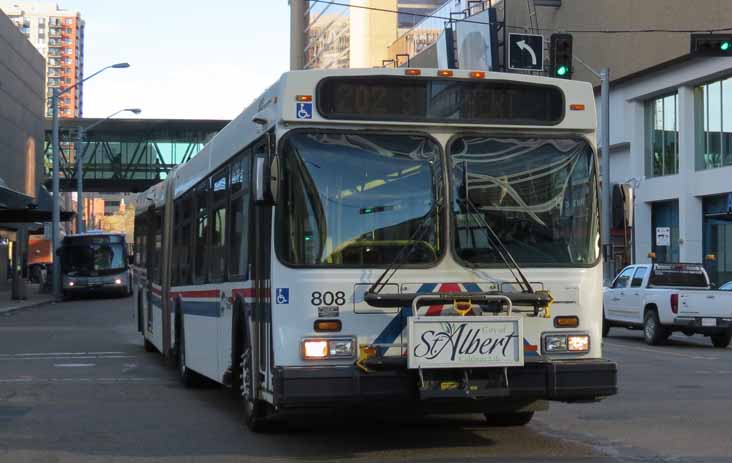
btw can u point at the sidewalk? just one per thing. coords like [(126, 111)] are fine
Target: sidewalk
[(34, 298)]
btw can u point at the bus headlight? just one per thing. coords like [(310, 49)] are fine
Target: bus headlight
[(566, 343), (578, 343), (327, 348), (555, 343)]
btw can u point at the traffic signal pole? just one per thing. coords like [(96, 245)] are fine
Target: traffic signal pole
[(606, 197), (609, 271)]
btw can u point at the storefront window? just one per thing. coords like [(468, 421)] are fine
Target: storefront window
[(665, 214), (662, 136), (713, 104), (717, 239)]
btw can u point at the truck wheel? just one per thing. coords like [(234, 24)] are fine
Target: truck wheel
[(509, 419), (653, 332), (722, 340)]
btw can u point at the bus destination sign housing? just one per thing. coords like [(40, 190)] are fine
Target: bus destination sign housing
[(396, 98)]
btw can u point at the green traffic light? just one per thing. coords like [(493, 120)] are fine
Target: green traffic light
[(725, 46), (562, 70)]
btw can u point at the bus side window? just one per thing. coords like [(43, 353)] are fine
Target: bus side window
[(239, 214), (185, 255), (201, 232), (219, 199)]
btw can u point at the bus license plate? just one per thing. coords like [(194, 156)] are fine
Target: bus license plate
[(465, 342)]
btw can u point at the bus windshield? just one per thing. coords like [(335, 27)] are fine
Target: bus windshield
[(93, 259), (358, 199), (538, 194)]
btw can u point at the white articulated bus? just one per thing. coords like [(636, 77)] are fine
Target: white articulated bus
[(406, 238)]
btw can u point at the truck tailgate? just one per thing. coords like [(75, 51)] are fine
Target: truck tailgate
[(705, 303)]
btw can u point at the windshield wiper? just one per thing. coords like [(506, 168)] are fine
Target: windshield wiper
[(406, 251), (498, 245)]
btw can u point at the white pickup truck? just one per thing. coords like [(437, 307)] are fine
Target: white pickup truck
[(663, 298)]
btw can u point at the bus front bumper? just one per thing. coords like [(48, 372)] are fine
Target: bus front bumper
[(564, 381)]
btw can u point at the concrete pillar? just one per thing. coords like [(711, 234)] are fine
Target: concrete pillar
[(642, 211), (4, 254), (297, 34), (372, 32), (690, 207)]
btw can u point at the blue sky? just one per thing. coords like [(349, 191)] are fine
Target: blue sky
[(189, 59)]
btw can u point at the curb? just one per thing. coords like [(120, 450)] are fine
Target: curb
[(4, 310)]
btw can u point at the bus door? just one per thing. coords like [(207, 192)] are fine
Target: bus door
[(261, 253)]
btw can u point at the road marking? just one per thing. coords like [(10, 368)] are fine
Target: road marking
[(74, 365), (26, 380), (55, 354), (76, 357), (656, 351)]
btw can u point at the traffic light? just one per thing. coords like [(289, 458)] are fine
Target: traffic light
[(560, 55), (711, 44)]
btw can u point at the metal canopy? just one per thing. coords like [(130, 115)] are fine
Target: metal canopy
[(129, 155)]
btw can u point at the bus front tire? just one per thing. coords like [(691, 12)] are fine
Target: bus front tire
[(605, 325), (253, 410), (188, 377), (509, 419)]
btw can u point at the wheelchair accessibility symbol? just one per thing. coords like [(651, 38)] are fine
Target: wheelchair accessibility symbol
[(283, 295), (304, 110)]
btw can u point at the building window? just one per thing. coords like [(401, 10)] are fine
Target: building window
[(662, 136), (713, 106), (68, 21)]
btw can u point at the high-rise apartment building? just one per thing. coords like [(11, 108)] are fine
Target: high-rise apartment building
[(59, 36)]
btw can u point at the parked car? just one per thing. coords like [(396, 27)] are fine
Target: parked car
[(663, 298), (726, 286)]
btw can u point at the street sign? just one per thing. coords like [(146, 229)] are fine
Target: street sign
[(663, 236), (526, 52)]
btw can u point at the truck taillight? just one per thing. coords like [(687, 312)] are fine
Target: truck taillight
[(675, 303)]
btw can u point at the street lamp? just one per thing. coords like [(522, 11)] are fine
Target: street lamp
[(80, 165), (56, 276)]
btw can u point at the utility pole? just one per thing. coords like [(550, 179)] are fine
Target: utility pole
[(56, 214), (297, 34)]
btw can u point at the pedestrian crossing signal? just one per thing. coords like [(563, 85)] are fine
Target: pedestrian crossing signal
[(560, 54)]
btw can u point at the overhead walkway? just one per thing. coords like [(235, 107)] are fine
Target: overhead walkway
[(128, 155)]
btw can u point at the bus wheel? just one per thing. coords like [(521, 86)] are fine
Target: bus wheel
[(187, 377), (253, 409), (509, 419), (149, 347)]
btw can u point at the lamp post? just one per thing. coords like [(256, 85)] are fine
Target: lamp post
[(56, 215), (80, 166)]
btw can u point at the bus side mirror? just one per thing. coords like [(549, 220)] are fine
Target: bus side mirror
[(267, 179)]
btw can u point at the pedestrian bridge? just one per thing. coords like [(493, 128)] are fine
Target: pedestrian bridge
[(127, 155)]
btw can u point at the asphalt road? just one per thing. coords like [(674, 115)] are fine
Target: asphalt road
[(76, 386)]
